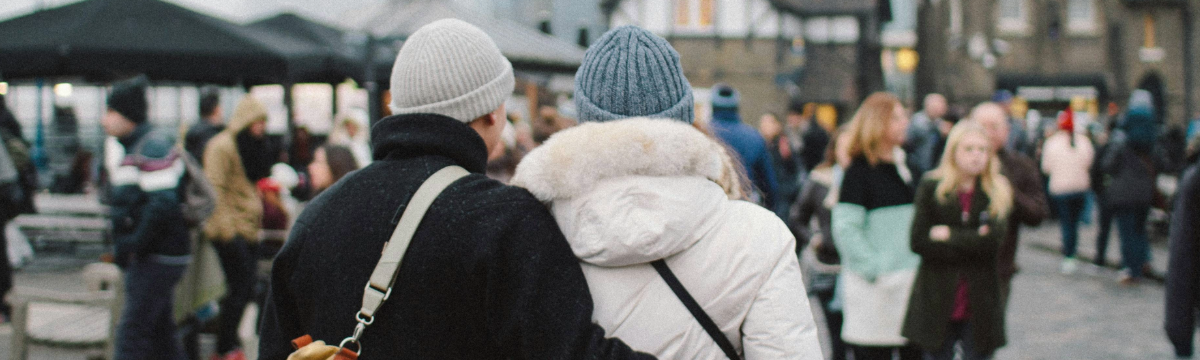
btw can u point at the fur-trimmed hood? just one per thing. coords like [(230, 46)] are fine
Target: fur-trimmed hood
[(630, 191)]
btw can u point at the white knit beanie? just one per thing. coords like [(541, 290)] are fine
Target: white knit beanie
[(451, 68)]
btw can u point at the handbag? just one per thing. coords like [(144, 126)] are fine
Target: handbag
[(698, 312), (383, 278)]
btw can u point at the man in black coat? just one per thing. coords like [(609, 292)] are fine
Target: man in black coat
[(488, 274), (1029, 201), (1183, 271), (211, 123)]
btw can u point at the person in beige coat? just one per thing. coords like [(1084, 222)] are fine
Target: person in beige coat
[(233, 161)]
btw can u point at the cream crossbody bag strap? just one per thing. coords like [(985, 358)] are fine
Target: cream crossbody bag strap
[(384, 276)]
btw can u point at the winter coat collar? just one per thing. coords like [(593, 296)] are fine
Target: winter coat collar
[(629, 191), (429, 134), (573, 161)]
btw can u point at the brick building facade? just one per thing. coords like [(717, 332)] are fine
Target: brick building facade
[(1049, 51)]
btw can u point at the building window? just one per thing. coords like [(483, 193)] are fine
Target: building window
[(831, 30), (694, 15), (1012, 17), (1081, 17)]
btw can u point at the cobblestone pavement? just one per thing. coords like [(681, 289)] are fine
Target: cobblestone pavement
[(1051, 316), (1086, 315)]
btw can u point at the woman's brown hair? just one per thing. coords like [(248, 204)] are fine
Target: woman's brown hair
[(340, 159), (869, 126)]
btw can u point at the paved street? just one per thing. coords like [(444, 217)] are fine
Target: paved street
[(1086, 315), (1052, 316), (1083, 316)]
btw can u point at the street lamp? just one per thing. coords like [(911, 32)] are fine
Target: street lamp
[(906, 60), (63, 90)]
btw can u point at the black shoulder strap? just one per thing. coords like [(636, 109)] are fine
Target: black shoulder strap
[(693, 307)]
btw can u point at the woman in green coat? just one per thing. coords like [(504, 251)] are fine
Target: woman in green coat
[(959, 223)]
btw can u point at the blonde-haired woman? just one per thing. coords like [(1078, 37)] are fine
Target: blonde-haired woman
[(960, 217), (870, 229)]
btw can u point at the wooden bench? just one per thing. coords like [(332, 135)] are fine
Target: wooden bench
[(69, 319), (64, 204), (70, 228), (69, 218)]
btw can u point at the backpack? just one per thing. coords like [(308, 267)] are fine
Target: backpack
[(197, 198)]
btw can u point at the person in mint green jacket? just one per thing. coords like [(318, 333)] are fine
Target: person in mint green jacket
[(871, 223)]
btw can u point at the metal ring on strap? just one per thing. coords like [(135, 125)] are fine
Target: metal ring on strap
[(370, 319)]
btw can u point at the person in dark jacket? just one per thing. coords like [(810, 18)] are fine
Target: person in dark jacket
[(1131, 172), (210, 124), (1030, 206), (488, 274), (959, 223), (1101, 139), (1183, 271), (149, 233), (815, 201), (18, 197), (20, 150), (926, 136), (789, 168), (727, 125), (814, 140)]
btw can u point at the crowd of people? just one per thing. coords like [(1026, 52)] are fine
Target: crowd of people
[(631, 231)]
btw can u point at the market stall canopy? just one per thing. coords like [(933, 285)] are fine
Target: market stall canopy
[(102, 40), (340, 57), (882, 8), (526, 48)]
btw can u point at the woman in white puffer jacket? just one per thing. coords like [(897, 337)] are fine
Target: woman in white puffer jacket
[(629, 192)]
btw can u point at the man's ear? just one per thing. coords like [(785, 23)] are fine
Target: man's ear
[(495, 117), (488, 119)]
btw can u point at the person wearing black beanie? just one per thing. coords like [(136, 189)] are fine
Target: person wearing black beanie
[(150, 236), (129, 99)]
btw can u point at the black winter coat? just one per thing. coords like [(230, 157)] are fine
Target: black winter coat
[(144, 201), (1130, 177), (942, 263), (1029, 205), (488, 274), (1183, 272)]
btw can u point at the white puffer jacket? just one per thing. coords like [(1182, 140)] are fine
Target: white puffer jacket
[(632, 191)]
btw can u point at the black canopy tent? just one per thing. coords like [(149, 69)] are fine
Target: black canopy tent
[(102, 40), (339, 58)]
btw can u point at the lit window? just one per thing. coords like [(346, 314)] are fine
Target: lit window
[(1012, 17), (683, 15), (1081, 17), (837, 30), (694, 15), (706, 12)]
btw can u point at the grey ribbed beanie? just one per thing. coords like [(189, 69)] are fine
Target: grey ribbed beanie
[(451, 68), (631, 72)]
